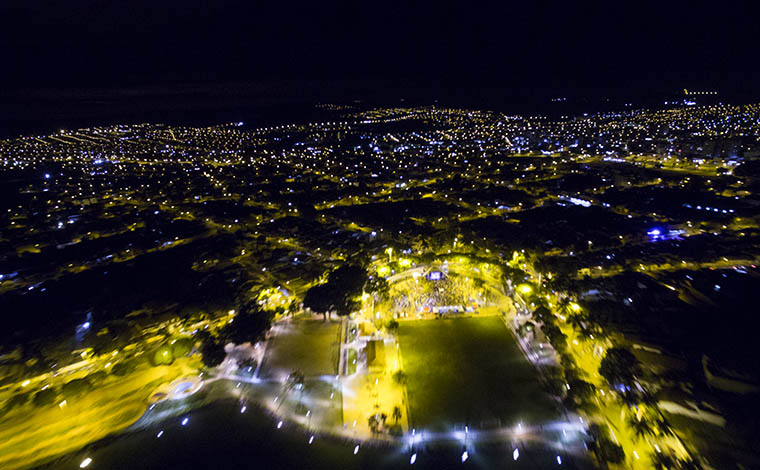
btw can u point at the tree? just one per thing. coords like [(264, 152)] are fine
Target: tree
[(604, 448), (182, 346), (320, 299), (569, 367), (377, 285), (348, 280), (399, 377), (339, 292), (554, 382), (526, 327), (346, 306), (619, 366), (516, 276), (396, 414), (580, 393), (543, 314), (162, 356), (688, 464), (641, 427), (249, 325), (123, 368), (648, 399), (664, 428), (75, 388), (212, 352), (374, 424), (579, 322), (16, 400), (662, 461), (611, 452), (555, 336), (629, 398), (44, 397), (563, 306)]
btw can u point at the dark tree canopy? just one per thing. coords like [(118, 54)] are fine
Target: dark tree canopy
[(346, 306), (319, 298), (543, 314), (76, 387), (619, 366), (249, 325), (212, 352), (580, 393), (555, 336), (378, 285), (45, 397), (339, 292), (348, 279), (605, 449), (515, 275)]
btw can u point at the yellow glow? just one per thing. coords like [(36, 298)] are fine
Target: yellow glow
[(524, 289), (575, 307), (25, 383), (383, 271)]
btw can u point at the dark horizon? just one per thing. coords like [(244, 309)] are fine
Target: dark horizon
[(44, 110)]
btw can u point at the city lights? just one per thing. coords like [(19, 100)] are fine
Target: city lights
[(357, 275)]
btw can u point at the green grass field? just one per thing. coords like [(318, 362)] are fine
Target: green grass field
[(310, 346), (469, 371)]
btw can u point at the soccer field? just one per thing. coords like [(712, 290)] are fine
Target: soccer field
[(469, 371), (310, 346)]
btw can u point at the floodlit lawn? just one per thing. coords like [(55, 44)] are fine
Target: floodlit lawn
[(310, 346), (31, 434), (468, 371), (714, 443)]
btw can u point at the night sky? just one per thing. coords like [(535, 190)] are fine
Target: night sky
[(289, 49)]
